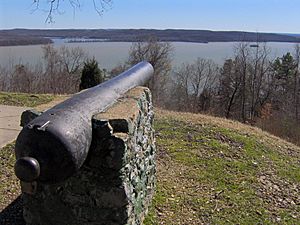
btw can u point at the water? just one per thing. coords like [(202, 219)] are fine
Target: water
[(111, 54)]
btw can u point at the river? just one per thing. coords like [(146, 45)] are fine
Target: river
[(110, 54)]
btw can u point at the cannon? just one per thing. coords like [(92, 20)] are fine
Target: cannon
[(53, 146)]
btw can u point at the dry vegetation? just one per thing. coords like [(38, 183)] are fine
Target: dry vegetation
[(24, 99), (217, 171), (58, 72), (9, 185), (210, 171)]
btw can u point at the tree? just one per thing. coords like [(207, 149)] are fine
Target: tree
[(203, 83), (53, 6), (229, 86), (194, 85), (23, 79), (284, 68), (69, 60), (58, 72), (159, 55), (286, 74), (62, 68), (242, 54), (245, 83), (257, 78), (91, 75), (180, 96), (297, 80)]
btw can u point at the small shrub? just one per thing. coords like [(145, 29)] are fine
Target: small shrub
[(91, 75)]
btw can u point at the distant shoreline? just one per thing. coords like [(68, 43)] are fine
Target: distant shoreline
[(19, 37), (110, 41)]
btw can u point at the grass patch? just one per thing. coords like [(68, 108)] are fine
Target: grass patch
[(9, 185), (212, 174), (24, 99), (210, 171)]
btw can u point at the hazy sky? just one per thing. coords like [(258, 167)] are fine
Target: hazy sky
[(246, 15)]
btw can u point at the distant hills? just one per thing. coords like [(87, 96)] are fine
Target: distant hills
[(38, 36), (293, 35)]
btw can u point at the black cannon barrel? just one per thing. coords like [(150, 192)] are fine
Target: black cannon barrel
[(54, 145)]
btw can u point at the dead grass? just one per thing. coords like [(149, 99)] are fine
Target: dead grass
[(264, 136), (9, 185), (39, 101), (216, 171), (58, 99), (24, 99), (210, 171)]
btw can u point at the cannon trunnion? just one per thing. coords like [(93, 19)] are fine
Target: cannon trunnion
[(53, 146)]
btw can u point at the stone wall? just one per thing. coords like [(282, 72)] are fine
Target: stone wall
[(117, 181)]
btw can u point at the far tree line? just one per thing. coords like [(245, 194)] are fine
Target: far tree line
[(249, 87)]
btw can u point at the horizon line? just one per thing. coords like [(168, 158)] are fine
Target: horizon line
[(162, 29)]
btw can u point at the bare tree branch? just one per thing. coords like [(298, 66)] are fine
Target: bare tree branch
[(53, 6), (101, 5)]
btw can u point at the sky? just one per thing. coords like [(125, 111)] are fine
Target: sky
[(280, 16)]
